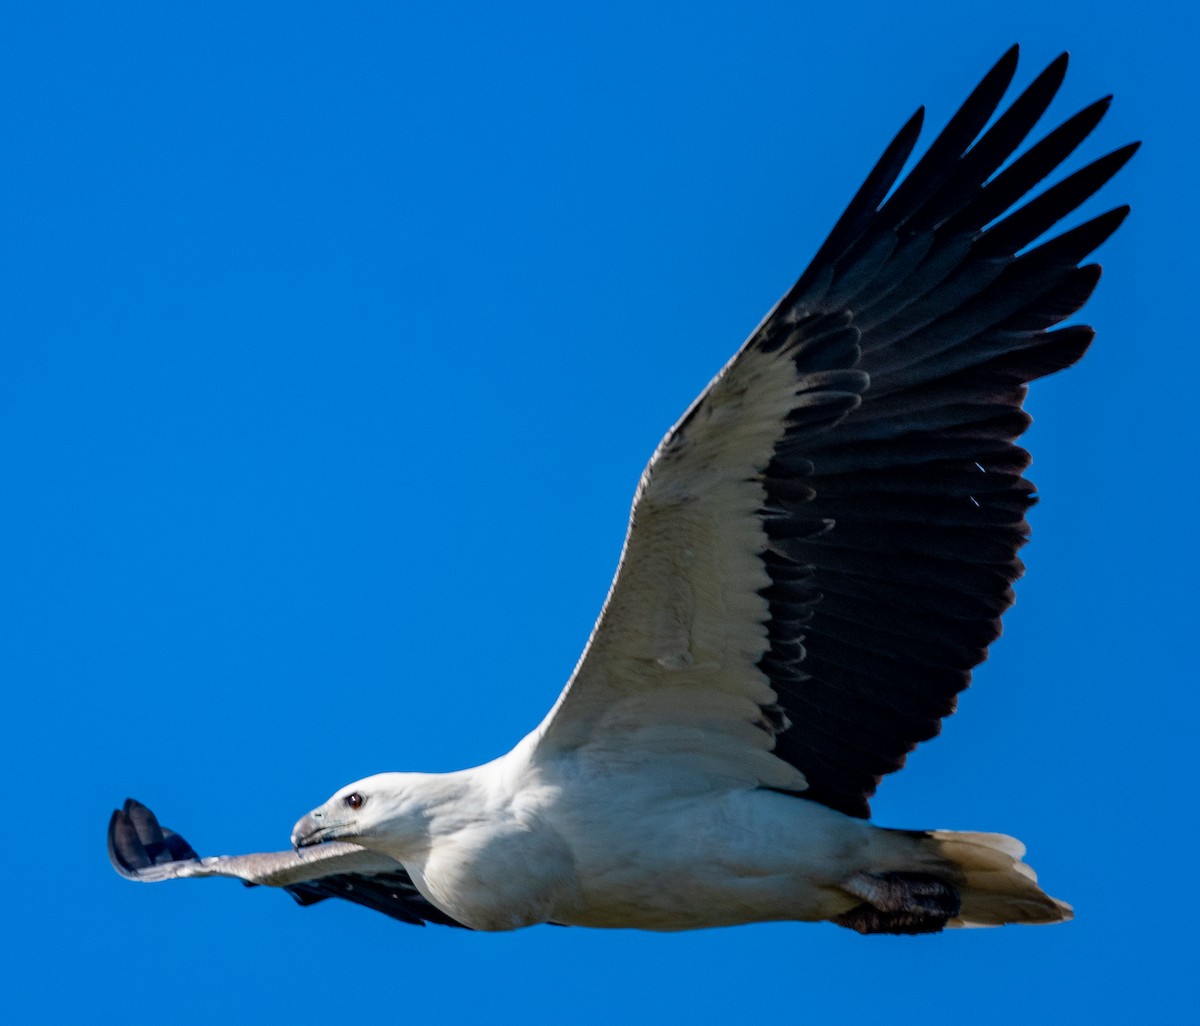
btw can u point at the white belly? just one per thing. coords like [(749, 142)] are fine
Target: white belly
[(707, 860)]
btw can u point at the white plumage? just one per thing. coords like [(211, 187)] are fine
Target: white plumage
[(818, 555)]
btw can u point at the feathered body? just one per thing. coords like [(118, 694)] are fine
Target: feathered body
[(577, 842)]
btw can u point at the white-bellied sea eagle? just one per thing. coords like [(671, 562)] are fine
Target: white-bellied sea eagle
[(818, 554)]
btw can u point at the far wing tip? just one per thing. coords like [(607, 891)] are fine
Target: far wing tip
[(139, 848)]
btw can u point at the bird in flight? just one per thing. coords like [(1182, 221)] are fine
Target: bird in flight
[(818, 555)]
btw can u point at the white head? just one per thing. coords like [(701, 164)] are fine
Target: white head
[(387, 812)]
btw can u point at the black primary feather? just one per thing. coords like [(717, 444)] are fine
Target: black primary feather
[(894, 522)]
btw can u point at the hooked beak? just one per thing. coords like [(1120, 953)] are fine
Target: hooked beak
[(310, 830)]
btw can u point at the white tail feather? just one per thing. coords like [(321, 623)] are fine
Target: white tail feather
[(995, 885)]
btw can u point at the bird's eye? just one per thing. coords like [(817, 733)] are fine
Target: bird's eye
[(355, 800)]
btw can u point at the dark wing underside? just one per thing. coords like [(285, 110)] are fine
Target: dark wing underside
[(894, 535), (140, 849), (393, 894)]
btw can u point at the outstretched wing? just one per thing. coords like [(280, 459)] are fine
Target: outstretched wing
[(141, 849), (821, 549)]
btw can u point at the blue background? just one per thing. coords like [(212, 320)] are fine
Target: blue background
[(336, 337)]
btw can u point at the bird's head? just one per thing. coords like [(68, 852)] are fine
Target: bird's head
[(386, 812)]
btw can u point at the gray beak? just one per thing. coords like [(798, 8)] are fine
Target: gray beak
[(307, 832)]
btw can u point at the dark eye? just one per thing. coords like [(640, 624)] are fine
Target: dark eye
[(355, 800)]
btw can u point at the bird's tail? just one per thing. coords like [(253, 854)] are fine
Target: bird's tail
[(925, 881), (996, 887)]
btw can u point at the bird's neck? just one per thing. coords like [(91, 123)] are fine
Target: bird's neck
[(434, 806)]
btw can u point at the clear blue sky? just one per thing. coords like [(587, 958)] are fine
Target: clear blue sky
[(336, 337)]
